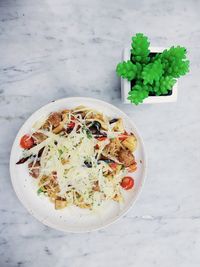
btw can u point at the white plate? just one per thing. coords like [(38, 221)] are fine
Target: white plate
[(73, 219)]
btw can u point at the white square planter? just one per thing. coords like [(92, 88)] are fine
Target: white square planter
[(126, 85)]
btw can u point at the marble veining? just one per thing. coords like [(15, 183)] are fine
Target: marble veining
[(53, 49)]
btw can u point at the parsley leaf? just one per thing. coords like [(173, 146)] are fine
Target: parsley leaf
[(39, 191), (89, 134), (87, 131)]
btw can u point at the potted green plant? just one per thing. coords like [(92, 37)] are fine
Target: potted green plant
[(149, 74)]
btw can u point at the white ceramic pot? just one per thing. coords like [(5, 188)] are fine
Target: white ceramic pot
[(126, 85)]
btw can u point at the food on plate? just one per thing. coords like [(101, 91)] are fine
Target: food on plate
[(127, 182), (130, 142), (126, 157), (26, 141), (80, 157)]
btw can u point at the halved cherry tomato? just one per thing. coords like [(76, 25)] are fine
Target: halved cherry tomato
[(122, 137), (127, 183), (26, 141), (113, 165), (71, 125), (102, 138)]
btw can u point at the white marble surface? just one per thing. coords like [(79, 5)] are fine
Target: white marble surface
[(53, 49)]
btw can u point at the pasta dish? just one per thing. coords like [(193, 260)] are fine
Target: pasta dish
[(80, 157)]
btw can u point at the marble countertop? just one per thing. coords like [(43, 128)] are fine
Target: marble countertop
[(53, 49)]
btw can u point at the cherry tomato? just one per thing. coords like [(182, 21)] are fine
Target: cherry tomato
[(127, 183), (26, 141), (71, 125), (102, 138), (113, 165)]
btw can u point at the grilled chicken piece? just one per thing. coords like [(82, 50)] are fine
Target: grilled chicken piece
[(34, 170), (58, 129), (96, 186), (126, 157), (112, 148), (54, 119), (38, 137), (60, 203)]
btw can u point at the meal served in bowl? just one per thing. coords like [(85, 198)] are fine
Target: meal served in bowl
[(80, 157)]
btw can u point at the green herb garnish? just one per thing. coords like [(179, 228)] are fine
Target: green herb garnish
[(87, 131), (39, 191), (89, 134)]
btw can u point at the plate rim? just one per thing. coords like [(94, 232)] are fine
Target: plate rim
[(111, 220)]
